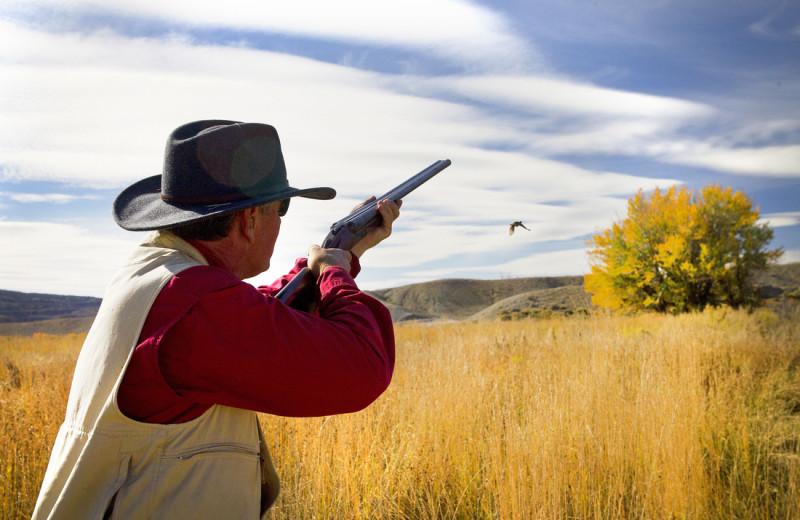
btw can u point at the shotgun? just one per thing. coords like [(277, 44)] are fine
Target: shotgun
[(300, 292)]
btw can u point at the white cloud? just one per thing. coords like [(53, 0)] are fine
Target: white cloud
[(453, 29), (49, 198), (567, 262), (776, 161), (790, 256), (553, 116), (791, 218), (565, 97), (58, 258), (778, 22), (555, 263), (564, 116)]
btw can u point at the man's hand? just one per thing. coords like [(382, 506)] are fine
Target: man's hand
[(389, 211), (320, 259)]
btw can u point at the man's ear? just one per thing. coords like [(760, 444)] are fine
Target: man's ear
[(246, 224)]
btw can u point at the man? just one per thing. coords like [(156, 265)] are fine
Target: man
[(161, 418)]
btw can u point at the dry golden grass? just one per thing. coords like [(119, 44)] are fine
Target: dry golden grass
[(35, 374), (648, 417)]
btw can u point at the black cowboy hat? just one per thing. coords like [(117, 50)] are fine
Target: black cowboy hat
[(210, 168)]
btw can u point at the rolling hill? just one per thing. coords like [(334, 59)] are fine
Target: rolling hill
[(18, 307), (459, 299)]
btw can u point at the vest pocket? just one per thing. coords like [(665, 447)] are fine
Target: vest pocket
[(216, 449), (210, 481), (121, 475)]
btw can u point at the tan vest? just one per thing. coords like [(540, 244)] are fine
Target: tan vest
[(214, 466)]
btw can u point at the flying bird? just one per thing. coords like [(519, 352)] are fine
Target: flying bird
[(515, 225)]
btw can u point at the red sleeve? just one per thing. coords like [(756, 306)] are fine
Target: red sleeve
[(277, 285), (300, 263), (237, 347)]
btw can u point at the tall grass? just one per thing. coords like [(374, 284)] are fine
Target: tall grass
[(35, 374), (651, 417)]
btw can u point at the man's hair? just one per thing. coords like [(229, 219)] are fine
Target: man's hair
[(214, 228)]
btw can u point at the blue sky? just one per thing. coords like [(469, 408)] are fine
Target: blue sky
[(553, 112)]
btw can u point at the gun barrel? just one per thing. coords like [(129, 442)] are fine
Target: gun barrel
[(365, 215), (414, 182)]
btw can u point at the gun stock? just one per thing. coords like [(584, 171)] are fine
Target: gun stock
[(300, 292)]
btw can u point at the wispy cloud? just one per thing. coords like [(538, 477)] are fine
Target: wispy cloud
[(556, 116), (58, 258), (782, 20), (461, 31), (790, 256), (49, 198), (773, 161), (556, 263), (775, 220), (566, 97)]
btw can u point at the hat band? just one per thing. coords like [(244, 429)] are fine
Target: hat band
[(217, 199)]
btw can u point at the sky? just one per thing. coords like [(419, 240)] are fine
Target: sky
[(553, 112)]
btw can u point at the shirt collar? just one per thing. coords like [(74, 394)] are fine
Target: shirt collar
[(209, 255)]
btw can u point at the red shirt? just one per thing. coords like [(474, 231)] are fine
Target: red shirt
[(211, 338)]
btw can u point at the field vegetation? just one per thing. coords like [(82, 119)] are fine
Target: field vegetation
[(694, 416)]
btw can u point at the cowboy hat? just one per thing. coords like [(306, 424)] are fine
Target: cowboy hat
[(211, 168)]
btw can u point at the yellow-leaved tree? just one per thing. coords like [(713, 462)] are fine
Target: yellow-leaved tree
[(679, 251)]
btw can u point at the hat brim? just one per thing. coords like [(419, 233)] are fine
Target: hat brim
[(140, 208)]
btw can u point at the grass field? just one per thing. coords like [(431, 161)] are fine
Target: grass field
[(651, 417)]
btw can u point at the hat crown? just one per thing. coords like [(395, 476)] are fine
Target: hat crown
[(211, 168), (219, 161)]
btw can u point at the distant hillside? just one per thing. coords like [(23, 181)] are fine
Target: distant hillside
[(58, 326), (460, 298), (564, 301), (780, 280), (22, 307)]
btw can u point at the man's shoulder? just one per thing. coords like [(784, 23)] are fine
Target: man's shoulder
[(203, 279), (218, 292)]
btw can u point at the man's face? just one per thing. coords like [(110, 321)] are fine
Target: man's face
[(267, 225)]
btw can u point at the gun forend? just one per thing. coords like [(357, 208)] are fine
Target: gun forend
[(346, 232)]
